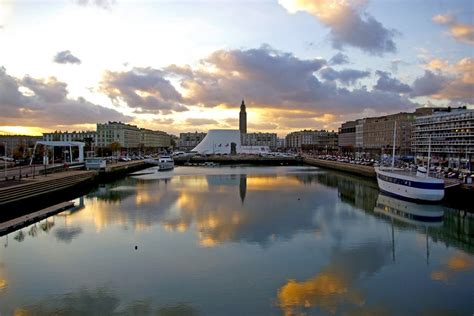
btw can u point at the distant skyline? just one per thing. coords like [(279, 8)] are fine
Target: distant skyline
[(186, 65)]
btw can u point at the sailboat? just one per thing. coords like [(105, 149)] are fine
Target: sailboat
[(406, 184)]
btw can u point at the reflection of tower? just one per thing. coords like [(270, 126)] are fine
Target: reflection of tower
[(243, 187), (243, 119)]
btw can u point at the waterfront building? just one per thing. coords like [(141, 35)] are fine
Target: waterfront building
[(80, 136), (226, 142), (260, 139), (373, 136), (347, 136), (188, 141), (452, 136), (312, 140), (243, 118), (10, 144), (154, 140), (128, 136)]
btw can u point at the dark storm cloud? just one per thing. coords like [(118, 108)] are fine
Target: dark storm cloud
[(339, 59), (143, 89), (44, 103), (346, 76), (387, 83), (65, 57)]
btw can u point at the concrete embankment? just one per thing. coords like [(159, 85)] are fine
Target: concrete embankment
[(365, 171), (25, 220), (42, 187), (42, 191)]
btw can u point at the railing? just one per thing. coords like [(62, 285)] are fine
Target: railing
[(20, 173)]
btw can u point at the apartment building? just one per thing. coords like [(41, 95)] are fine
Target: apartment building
[(309, 139), (80, 136), (187, 141), (260, 139), (128, 136), (451, 132)]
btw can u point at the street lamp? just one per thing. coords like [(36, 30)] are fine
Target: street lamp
[(5, 158)]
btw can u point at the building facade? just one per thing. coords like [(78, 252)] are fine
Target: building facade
[(260, 139), (452, 136), (81, 136), (187, 141), (347, 136), (312, 140), (10, 144), (128, 136), (151, 140)]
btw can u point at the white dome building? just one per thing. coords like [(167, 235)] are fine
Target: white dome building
[(226, 141)]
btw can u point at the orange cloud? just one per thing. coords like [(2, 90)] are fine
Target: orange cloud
[(460, 31)]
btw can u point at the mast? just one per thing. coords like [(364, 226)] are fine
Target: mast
[(393, 149), (429, 156)]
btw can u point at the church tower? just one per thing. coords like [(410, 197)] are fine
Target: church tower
[(243, 119)]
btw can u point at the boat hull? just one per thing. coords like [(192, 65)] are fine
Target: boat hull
[(410, 187), (163, 166)]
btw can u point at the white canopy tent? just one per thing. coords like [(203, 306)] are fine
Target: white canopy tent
[(79, 145)]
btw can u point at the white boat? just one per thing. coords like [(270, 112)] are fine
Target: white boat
[(163, 162), (409, 185)]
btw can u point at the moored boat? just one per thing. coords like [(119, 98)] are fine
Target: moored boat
[(407, 184), (163, 162)]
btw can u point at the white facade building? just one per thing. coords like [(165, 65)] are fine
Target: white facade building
[(225, 142)]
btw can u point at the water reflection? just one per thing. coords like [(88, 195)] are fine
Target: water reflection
[(240, 241), (334, 287), (100, 301)]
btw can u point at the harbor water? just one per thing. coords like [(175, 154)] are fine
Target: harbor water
[(241, 241)]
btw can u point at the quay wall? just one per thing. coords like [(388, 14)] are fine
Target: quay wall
[(365, 171)]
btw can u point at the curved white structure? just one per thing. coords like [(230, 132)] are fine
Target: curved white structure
[(219, 141)]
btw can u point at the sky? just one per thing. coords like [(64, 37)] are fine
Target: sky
[(182, 66)]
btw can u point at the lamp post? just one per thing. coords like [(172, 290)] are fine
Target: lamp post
[(5, 158)]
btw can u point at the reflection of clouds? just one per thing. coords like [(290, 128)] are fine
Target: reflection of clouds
[(277, 205), (101, 301), (67, 234), (3, 279), (459, 262), (333, 286)]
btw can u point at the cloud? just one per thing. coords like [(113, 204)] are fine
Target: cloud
[(339, 59), (460, 31), (442, 80), (45, 103), (65, 57), (104, 4), (429, 84), (271, 79), (346, 76), (143, 89), (387, 83), (349, 24), (200, 121), (395, 63)]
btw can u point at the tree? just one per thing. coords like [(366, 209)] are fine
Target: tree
[(114, 147)]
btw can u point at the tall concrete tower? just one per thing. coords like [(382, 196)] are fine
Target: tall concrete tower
[(243, 119)]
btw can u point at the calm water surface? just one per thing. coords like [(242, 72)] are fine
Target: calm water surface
[(241, 241)]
